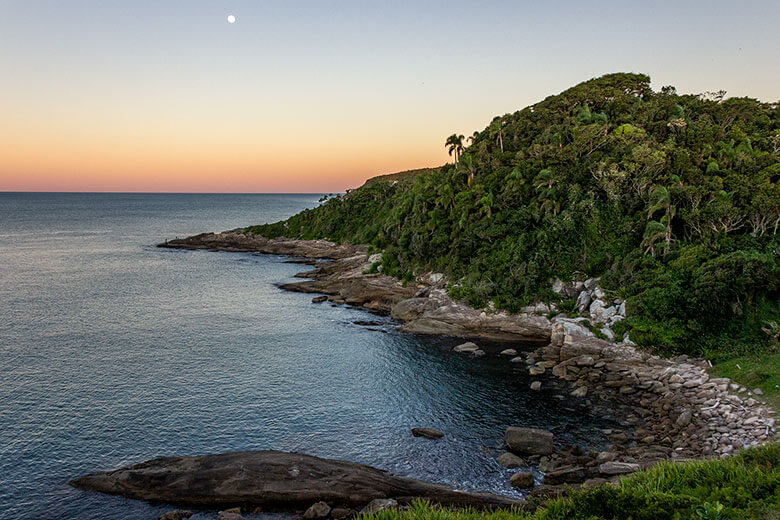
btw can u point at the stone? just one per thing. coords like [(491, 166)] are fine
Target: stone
[(510, 460), (319, 299), (284, 481), (618, 468), (581, 391), (536, 385), (509, 352), (376, 257), (177, 514), (316, 511), (341, 513), (478, 353), (428, 433), (565, 475), (517, 359), (529, 441), (583, 302), (536, 370), (229, 515), (522, 479), (466, 347), (684, 419), (758, 391), (379, 504), (608, 333), (591, 283)]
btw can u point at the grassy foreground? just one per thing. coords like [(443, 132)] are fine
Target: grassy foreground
[(758, 371), (746, 486)]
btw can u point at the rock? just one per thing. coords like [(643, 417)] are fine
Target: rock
[(271, 479), (522, 479), (684, 419), (316, 511), (758, 391), (341, 513), (229, 515), (509, 352), (517, 359), (510, 460), (319, 299), (536, 371), (536, 385), (622, 309), (618, 468), (565, 475), (529, 441), (466, 347), (428, 433), (608, 333), (177, 514), (478, 353), (376, 257), (580, 391), (591, 283), (583, 302), (378, 504), (411, 308), (593, 482)]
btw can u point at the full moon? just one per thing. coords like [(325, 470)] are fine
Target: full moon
[(231, 18)]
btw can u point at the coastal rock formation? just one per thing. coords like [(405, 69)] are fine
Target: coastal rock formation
[(423, 310), (273, 480), (529, 441), (428, 433)]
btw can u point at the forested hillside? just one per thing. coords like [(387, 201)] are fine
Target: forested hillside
[(673, 199)]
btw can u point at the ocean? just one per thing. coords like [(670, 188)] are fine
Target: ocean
[(113, 351)]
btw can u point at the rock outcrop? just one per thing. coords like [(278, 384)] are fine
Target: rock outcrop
[(273, 480)]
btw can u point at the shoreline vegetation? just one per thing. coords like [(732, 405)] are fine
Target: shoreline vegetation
[(617, 238)]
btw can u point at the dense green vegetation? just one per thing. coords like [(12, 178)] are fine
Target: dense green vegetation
[(755, 371), (746, 486), (673, 199)]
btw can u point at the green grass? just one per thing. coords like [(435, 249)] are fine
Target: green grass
[(758, 371), (746, 486)]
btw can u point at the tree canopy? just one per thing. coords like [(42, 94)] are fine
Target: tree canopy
[(674, 200)]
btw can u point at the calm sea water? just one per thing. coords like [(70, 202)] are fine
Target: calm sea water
[(113, 352)]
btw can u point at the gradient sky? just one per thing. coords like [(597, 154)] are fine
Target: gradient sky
[(317, 96)]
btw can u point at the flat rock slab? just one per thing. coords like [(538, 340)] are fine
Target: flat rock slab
[(274, 480)]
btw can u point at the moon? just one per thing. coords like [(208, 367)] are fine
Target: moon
[(231, 18)]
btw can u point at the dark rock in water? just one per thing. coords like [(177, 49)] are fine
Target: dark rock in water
[(316, 511), (428, 433), (522, 479), (529, 441), (274, 480), (510, 460), (177, 514), (319, 299), (377, 505)]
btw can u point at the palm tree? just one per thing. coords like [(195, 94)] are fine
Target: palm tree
[(455, 144), (469, 166), (473, 137), (497, 132), (660, 200)]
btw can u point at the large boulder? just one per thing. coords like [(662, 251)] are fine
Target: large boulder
[(618, 468), (529, 441), (273, 480), (522, 479), (317, 511)]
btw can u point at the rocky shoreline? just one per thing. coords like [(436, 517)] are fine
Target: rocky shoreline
[(668, 409)]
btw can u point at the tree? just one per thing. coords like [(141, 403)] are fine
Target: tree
[(496, 130), (455, 144), (660, 200), (467, 164)]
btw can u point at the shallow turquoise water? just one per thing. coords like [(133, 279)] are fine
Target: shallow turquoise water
[(114, 351)]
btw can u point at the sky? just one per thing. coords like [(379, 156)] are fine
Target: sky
[(317, 96)]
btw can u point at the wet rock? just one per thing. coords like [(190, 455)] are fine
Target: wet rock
[(510, 460), (271, 479), (428, 433), (230, 515), (536, 385), (529, 441), (522, 479), (509, 352), (466, 347), (317, 511), (379, 504), (319, 299)]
